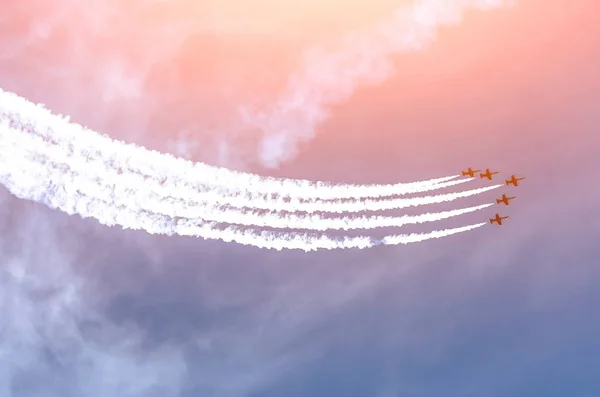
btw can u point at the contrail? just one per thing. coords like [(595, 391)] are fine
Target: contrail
[(96, 163), (21, 148), (28, 178), (361, 58), (152, 164), (35, 183), (222, 203), (212, 201)]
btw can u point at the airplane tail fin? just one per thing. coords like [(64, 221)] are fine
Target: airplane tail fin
[(498, 201), (492, 220)]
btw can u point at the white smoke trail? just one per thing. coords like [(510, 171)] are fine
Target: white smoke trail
[(56, 194), (180, 189), (215, 200), (96, 168), (119, 190), (361, 58), (150, 163), (29, 178), (222, 203), (136, 196), (96, 165)]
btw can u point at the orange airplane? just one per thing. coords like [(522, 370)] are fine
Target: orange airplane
[(498, 219), (504, 199), (470, 172), (514, 180), (487, 174)]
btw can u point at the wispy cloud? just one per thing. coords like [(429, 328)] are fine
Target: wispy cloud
[(55, 340), (329, 76)]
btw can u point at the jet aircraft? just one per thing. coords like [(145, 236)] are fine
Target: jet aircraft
[(470, 172), (487, 174), (514, 180), (498, 219), (504, 199)]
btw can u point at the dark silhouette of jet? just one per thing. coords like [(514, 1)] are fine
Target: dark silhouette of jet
[(514, 180), (470, 172), (487, 174), (498, 219), (504, 199)]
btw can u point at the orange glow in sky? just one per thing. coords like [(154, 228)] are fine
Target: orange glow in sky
[(190, 77)]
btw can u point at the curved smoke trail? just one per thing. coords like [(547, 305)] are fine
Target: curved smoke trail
[(29, 172), (159, 196), (120, 190), (29, 178), (152, 164)]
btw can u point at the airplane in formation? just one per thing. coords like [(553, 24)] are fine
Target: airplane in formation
[(498, 219), (470, 172), (487, 174), (514, 180), (504, 199)]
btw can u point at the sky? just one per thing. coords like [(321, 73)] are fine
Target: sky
[(89, 310)]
